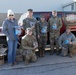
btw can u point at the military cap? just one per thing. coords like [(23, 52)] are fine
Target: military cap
[(30, 10), (42, 16), (29, 29)]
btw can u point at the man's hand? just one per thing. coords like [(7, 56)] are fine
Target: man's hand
[(71, 43), (35, 45), (38, 36)]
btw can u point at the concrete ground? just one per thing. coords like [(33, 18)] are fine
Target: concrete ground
[(48, 65)]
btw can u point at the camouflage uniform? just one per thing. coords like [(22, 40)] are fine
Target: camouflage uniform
[(28, 43), (42, 32), (29, 22), (64, 43), (55, 24)]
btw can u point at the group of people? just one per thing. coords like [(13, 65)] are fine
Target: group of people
[(36, 36)]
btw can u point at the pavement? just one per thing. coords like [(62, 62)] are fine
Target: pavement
[(44, 61)]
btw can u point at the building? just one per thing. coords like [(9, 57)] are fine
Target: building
[(70, 6)]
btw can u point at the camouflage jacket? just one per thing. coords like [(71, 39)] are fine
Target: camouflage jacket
[(28, 42), (55, 24), (29, 22), (42, 28)]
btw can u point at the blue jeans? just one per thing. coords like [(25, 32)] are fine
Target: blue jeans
[(12, 47)]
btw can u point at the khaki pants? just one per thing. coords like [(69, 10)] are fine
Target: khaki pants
[(67, 49)]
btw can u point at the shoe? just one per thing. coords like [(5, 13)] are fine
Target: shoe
[(71, 55), (27, 62), (11, 64), (52, 52), (40, 53), (15, 63), (63, 55), (43, 53), (57, 53)]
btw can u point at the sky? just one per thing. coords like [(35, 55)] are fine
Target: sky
[(21, 6)]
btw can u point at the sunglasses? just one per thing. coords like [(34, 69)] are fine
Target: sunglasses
[(11, 15)]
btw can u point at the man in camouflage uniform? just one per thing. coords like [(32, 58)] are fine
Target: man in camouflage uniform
[(29, 46), (42, 26), (66, 42), (30, 21), (55, 24)]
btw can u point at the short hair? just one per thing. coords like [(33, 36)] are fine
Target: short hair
[(68, 27), (30, 10), (54, 11), (42, 16)]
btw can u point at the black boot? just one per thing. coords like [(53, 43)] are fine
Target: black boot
[(51, 51), (70, 54), (57, 52), (43, 53), (40, 53)]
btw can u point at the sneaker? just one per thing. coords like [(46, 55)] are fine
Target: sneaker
[(15, 63), (11, 64)]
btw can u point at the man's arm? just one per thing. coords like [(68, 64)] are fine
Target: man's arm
[(74, 39), (38, 29), (49, 25), (24, 24), (59, 24)]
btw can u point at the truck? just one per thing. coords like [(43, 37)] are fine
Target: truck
[(68, 18)]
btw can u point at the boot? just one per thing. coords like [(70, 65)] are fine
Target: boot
[(71, 55), (43, 53), (40, 53), (57, 51), (27, 62), (52, 51)]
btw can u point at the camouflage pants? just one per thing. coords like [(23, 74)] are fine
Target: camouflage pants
[(42, 44), (29, 55), (54, 41), (67, 49)]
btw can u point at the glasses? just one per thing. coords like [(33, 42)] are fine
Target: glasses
[(11, 15)]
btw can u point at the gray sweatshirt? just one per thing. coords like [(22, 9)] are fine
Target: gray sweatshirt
[(9, 29), (65, 39)]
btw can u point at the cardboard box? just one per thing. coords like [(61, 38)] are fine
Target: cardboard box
[(1, 60)]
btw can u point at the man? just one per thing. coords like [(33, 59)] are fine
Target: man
[(29, 46), (42, 26), (29, 21), (66, 42), (55, 24)]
